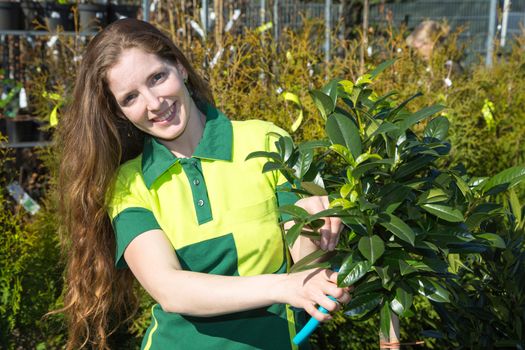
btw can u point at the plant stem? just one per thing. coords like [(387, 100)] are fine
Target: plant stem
[(391, 339)]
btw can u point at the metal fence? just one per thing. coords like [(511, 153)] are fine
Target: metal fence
[(473, 16), (289, 13)]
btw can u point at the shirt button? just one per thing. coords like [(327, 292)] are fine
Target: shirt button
[(196, 182), (200, 203)]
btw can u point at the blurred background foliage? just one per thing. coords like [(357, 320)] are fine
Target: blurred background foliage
[(248, 73)]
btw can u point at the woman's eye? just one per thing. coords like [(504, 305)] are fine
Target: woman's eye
[(128, 100), (158, 77)]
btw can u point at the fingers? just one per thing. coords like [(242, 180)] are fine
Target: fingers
[(322, 286), (317, 314), (329, 304), (331, 229), (345, 299)]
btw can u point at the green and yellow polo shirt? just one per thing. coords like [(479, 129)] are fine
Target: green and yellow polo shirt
[(219, 211)]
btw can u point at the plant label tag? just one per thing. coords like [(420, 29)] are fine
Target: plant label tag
[(22, 98), (22, 198)]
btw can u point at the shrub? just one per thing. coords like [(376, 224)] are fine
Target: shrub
[(408, 220)]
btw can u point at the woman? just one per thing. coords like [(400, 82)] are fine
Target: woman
[(189, 217)]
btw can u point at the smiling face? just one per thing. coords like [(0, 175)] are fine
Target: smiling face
[(151, 94)]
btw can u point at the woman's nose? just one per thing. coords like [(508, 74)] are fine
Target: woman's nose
[(153, 102)]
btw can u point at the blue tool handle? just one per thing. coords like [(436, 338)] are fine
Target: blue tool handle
[(310, 326)]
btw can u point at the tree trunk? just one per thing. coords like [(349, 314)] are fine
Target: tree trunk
[(391, 341)]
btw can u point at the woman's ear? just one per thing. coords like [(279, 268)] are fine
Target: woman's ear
[(182, 71)]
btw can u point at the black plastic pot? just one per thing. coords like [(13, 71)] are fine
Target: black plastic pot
[(56, 15), (122, 11), (92, 16), (10, 15), (33, 13), (18, 131)]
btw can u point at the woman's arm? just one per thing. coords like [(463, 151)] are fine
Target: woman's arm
[(154, 263)]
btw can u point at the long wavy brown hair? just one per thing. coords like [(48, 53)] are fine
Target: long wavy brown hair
[(93, 139)]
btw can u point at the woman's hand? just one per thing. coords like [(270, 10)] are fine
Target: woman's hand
[(332, 226), (309, 289)]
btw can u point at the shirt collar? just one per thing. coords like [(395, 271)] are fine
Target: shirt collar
[(215, 144)]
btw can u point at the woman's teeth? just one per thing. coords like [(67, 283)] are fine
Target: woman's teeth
[(166, 115)]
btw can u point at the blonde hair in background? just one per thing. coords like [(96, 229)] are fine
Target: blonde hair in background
[(424, 37)]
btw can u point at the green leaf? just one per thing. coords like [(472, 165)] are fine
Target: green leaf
[(366, 156), (295, 211), (444, 212), (342, 131), (311, 145), (272, 155), (420, 115), (362, 304), (432, 196), (381, 67), (285, 147), (372, 247), (272, 166), (347, 86), (364, 79), (330, 89), (343, 203), (432, 290), (413, 165), (507, 178), (328, 213), (386, 127), (361, 169), (462, 185), (402, 302), (385, 320), (314, 189), (352, 270), (305, 263), (293, 232), (371, 285), (345, 190), (483, 212), (455, 263), (303, 163), (400, 112), (405, 268), (495, 240), (398, 227), (324, 103), (515, 207), (393, 199), (437, 128), (385, 274), (344, 153)]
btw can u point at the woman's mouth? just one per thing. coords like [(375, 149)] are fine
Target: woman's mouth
[(167, 116)]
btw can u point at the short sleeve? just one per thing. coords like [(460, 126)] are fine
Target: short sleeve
[(129, 211), (283, 187)]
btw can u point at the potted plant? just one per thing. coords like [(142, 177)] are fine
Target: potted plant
[(33, 14), (92, 15), (58, 14), (407, 217), (119, 11), (10, 15), (17, 128)]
